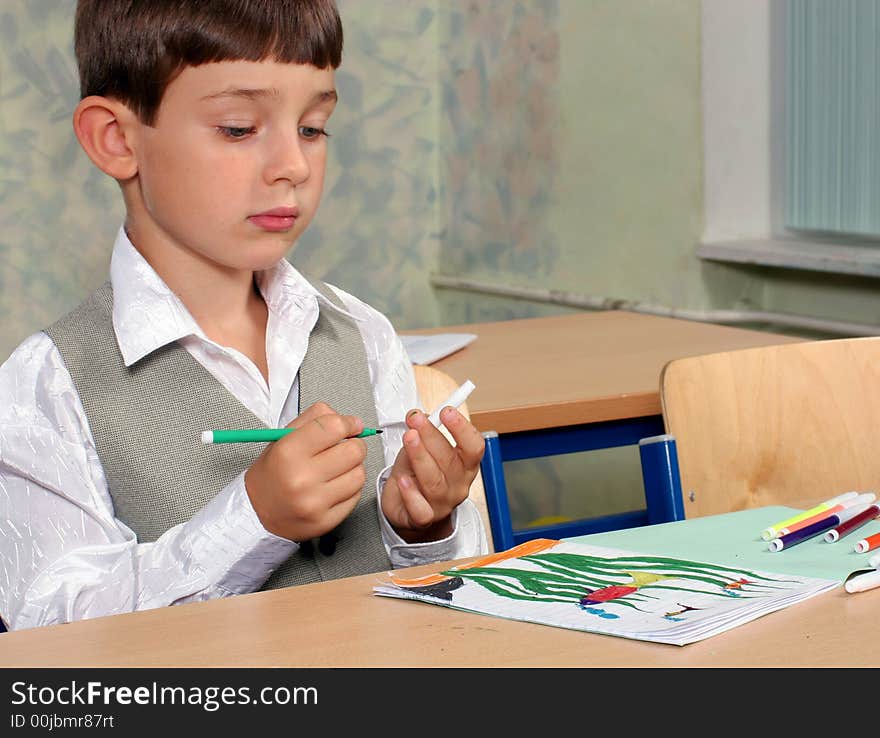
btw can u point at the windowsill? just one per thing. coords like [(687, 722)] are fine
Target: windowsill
[(861, 259)]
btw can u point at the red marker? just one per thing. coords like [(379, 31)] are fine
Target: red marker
[(857, 521)]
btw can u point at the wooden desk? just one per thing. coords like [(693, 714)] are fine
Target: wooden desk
[(579, 382), (342, 624), (580, 368)]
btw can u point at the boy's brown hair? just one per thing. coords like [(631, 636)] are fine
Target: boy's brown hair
[(131, 50)]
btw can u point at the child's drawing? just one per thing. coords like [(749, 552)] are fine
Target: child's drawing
[(606, 590)]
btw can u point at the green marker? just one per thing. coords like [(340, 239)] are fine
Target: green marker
[(249, 435)]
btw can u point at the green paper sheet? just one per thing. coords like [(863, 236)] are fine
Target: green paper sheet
[(734, 539)]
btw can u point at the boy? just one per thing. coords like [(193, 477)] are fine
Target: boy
[(212, 118)]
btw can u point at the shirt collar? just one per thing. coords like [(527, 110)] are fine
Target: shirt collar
[(148, 315), (286, 290)]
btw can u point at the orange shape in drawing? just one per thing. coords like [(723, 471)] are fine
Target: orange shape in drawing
[(524, 549)]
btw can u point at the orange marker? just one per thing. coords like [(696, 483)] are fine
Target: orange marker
[(868, 544)]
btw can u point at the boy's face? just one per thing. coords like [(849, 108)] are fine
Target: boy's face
[(232, 171)]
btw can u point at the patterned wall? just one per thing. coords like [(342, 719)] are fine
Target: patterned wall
[(500, 85), (376, 232), (58, 214)]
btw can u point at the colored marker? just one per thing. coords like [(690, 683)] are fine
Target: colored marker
[(852, 503), (862, 517), (250, 435), (454, 400), (803, 534), (772, 531), (868, 544), (862, 581)]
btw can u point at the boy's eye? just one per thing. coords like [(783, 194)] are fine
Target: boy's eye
[(310, 132), (235, 131)]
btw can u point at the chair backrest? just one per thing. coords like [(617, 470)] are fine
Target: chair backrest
[(434, 387), (775, 425)]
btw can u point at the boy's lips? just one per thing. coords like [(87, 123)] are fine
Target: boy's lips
[(276, 219)]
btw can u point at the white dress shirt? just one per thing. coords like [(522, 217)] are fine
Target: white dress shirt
[(65, 556)]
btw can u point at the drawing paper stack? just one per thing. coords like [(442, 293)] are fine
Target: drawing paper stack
[(611, 591)]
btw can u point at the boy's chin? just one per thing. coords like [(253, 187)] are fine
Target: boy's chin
[(269, 252), (262, 264)]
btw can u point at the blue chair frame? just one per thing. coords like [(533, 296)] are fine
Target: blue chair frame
[(659, 462)]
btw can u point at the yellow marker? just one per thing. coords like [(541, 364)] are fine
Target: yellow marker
[(773, 530)]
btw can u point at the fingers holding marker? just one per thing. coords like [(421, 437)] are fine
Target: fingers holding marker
[(425, 436), (454, 400), (468, 440), (427, 468), (328, 430), (419, 511)]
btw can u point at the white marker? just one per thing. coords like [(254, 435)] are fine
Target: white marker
[(861, 582), (454, 400)]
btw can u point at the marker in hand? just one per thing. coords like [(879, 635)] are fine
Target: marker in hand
[(454, 400), (254, 435), (251, 435)]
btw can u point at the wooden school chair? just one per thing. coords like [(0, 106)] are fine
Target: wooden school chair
[(775, 425), (434, 386)]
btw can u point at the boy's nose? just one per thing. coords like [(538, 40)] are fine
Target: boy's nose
[(287, 161)]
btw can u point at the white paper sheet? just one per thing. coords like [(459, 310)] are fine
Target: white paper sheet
[(426, 349)]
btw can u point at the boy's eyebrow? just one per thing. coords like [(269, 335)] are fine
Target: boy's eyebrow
[(264, 92)]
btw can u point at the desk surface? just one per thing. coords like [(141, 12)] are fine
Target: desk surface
[(580, 368), (342, 624)]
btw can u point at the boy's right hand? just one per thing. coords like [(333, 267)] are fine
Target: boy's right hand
[(309, 481)]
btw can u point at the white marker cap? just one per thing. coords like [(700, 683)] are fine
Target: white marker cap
[(207, 436), (863, 582), (861, 546), (858, 506), (775, 545), (862, 500), (843, 498), (454, 400)]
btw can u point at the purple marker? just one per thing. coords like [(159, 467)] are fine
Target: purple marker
[(808, 531)]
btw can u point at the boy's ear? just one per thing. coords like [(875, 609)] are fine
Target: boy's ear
[(106, 129)]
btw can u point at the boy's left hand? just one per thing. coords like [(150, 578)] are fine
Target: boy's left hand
[(430, 476)]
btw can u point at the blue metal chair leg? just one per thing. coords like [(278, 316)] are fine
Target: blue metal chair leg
[(661, 479), (492, 470)]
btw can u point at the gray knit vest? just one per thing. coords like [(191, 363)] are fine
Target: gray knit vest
[(147, 420)]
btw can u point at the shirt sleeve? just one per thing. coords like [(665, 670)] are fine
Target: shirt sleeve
[(64, 556), (468, 537), (395, 393)]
